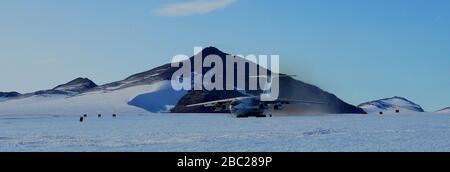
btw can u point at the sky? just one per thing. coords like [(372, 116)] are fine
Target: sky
[(360, 50)]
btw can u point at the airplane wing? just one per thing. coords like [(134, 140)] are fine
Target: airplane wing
[(276, 76), (212, 103), (285, 101)]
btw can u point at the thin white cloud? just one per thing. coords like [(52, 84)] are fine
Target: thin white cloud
[(193, 7)]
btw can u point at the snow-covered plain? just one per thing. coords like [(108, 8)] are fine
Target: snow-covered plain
[(221, 132)]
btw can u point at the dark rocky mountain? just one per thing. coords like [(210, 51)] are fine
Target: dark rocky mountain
[(289, 88), (391, 104), (160, 73)]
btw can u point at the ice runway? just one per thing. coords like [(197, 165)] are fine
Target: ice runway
[(167, 132)]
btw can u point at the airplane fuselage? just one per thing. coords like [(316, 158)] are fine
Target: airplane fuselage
[(247, 108)]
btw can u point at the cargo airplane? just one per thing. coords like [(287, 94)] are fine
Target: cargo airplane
[(249, 106)]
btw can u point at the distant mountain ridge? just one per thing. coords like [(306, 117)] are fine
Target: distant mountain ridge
[(8, 95), (391, 104), (445, 110), (71, 88), (151, 91), (77, 85)]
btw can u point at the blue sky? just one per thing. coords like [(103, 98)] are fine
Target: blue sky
[(359, 50)]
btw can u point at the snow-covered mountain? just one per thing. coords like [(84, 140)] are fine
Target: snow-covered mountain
[(151, 91), (445, 110), (391, 105), (141, 93), (8, 95), (126, 100)]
